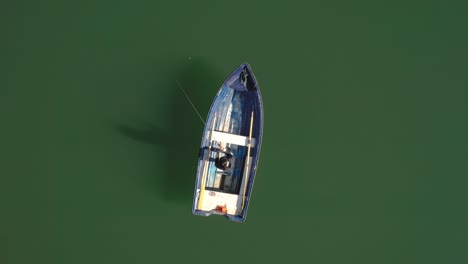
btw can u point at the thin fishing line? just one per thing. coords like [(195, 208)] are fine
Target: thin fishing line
[(190, 101)]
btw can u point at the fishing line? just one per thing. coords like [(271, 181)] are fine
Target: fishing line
[(190, 101)]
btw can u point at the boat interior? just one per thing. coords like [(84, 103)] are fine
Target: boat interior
[(225, 181)]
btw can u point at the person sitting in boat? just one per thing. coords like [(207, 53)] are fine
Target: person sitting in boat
[(224, 162)]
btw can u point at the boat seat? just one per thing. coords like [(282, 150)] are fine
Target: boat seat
[(232, 139)]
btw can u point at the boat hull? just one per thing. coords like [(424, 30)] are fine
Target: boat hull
[(233, 135)]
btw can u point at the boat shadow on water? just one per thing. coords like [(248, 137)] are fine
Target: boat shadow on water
[(180, 138)]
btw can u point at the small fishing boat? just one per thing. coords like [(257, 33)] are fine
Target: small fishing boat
[(230, 148)]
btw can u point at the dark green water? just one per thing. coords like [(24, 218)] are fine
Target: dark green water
[(364, 156)]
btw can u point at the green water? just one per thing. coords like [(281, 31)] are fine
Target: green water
[(364, 155)]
